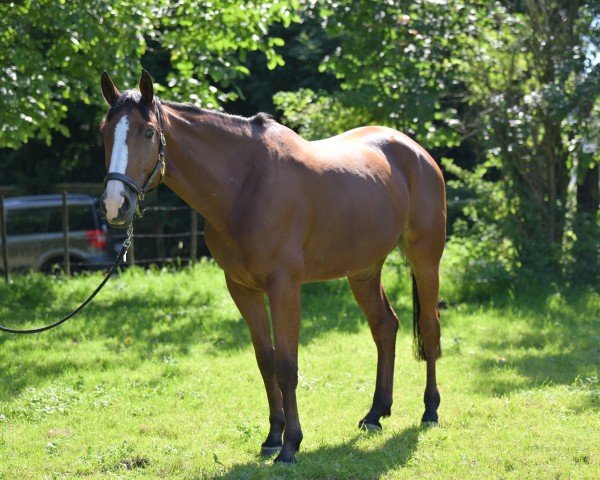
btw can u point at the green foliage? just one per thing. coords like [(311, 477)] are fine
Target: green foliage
[(318, 115), (209, 43), (483, 260), (52, 53), (516, 80), (583, 260), (531, 89), (514, 85), (478, 270), (397, 60)]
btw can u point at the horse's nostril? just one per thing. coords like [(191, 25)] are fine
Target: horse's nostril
[(102, 206), (126, 204)]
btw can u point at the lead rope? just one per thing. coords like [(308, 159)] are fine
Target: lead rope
[(120, 255)]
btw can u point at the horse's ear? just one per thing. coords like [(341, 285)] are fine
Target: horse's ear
[(146, 87), (110, 92)]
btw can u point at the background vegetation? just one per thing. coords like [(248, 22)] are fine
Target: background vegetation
[(503, 93)]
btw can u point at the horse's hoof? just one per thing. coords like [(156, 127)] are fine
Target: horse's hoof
[(425, 424), (370, 427), (266, 451), (285, 458), (430, 417)]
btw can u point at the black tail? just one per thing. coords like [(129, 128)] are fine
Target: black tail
[(418, 347)]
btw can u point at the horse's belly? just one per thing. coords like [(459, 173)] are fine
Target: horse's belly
[(341, 247), (334, 227), (354, 225)]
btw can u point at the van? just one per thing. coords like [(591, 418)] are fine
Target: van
[(34, 227)]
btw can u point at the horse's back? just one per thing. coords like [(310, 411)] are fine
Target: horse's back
[(355, 201), (334, 207), (405, 157), (382, 156)]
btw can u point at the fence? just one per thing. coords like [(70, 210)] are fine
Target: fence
[(142, 252), (185, 228), (3, 237), (193, 234)]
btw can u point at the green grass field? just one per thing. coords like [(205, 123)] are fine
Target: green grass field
[(157, 379)]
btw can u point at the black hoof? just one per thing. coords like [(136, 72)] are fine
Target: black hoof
[(285, 458), (267, 451), (429, 424), (369, 426), (430, 418)]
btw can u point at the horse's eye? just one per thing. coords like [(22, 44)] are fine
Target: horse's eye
[(149, 133)]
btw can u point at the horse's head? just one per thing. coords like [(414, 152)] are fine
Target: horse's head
[(132, 140)]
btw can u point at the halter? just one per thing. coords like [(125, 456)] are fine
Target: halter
[(159, 168)]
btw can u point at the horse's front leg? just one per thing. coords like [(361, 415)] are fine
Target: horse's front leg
[(284, 300), (251, 305)]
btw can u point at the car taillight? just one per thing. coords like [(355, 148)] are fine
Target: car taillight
[(97, 238)]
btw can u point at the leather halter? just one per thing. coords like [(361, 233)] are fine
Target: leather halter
[(158, 169)]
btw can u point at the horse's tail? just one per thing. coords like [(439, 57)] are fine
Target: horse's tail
[(418, 347)]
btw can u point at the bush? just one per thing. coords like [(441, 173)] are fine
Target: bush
[(316, 115), (475, 270)]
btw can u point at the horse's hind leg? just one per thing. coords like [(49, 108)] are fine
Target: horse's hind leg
[(424, 257), (371, 298)]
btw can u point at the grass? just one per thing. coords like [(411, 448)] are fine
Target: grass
[(157, 379)]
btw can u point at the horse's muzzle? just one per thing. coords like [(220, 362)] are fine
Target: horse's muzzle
[(126, 211)]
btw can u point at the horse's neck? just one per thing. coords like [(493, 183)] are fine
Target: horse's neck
[(207, 161)]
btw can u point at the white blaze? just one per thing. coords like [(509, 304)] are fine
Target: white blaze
[(118, 163)]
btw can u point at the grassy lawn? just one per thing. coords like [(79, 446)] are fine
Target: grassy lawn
[(157, 379)]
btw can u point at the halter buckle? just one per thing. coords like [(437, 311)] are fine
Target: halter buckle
[(139, 211)]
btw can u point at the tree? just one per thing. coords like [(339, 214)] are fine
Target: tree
[(532, 87), (396, 63), (512, 80), (52, 52)]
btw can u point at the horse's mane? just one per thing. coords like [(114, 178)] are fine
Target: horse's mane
[(260, 118), (133, 99)]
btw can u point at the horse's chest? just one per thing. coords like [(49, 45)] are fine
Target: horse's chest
[(230, 257)]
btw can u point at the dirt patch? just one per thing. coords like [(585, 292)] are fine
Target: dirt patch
[(59, 432), (135, 462)]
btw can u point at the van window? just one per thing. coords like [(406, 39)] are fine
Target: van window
[(26, 221), (31, 221), (81, 217)]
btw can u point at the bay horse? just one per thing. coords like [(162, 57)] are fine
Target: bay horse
[(282, 211)]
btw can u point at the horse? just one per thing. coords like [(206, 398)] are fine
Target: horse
[(282, 211)]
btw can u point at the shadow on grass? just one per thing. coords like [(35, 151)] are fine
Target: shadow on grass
[(553, 346), (326, 307), (19, 374), (153, 326), (340, 461)]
